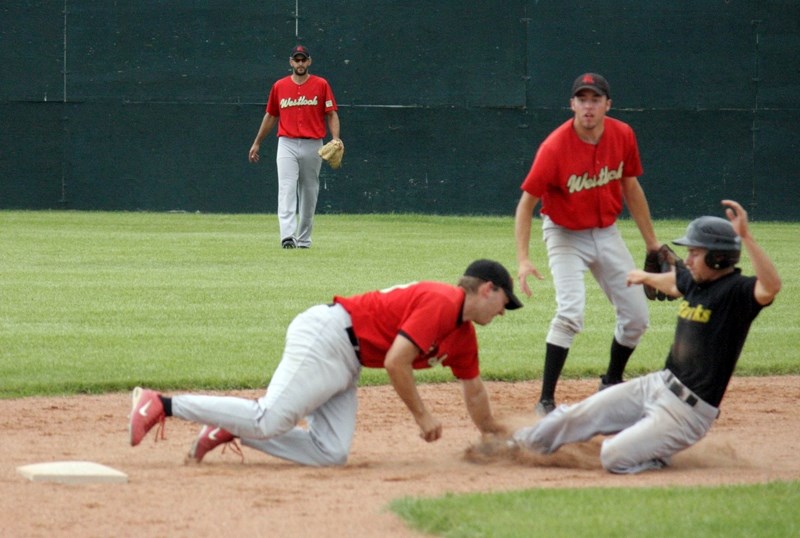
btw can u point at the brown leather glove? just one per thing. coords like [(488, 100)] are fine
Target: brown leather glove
[(660, 261)]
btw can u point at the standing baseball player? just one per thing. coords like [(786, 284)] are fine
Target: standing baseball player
[(299, 103), (664, 412), (418, 325), (582, 174)]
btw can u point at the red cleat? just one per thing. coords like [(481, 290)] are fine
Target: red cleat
[(146, 412), (209, 438)]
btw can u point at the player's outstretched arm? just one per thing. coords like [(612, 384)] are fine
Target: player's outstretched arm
[(664, 282), (768, 282)]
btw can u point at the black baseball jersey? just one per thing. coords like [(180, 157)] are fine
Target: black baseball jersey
[(713, 321)]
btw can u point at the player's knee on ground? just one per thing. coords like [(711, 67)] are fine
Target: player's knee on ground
[(331, 453), (617, 461), (336, 459), (613, 460)]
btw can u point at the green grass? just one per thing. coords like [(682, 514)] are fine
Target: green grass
[(765, 510), (95, 302), (98, 302)]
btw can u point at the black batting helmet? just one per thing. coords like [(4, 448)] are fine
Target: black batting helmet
[(718, 236)]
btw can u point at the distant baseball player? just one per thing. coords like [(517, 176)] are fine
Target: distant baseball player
[(417, 325), (664, 412), (299, 103), (582, 174)]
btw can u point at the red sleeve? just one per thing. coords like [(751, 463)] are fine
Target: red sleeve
[(546, 167), (633, 163), (330, 100), (544, 170), (273, 108)]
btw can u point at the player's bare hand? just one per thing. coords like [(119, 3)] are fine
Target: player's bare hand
[(497, 429), (636, 276), (737, 215), (430, 428), (254, 156), (526, 269)]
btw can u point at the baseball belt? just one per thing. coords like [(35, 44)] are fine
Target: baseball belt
[(677, 388), (685, 395), (351, 334)]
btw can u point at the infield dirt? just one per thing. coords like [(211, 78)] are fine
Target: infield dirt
[(754, 440)]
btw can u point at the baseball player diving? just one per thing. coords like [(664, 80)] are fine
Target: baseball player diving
[(406, 327), (659, 414)]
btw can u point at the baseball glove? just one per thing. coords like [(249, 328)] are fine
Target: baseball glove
[(660, 261), (332, 153), (668, 259)]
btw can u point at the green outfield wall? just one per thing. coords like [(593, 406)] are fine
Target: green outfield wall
[(153, 105)]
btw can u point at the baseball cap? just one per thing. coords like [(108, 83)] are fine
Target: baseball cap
[(300, 50), (495, 273), (591, 81)]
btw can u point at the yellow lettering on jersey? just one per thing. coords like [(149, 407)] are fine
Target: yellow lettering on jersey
[(694, 313), (577, 183), (300, 101)]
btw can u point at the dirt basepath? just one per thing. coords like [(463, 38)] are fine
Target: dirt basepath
[(755, 440)]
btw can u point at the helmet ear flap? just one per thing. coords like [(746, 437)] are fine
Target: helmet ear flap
[(721, 259)]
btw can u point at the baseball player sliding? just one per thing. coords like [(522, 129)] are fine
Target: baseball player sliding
[(662, 413), (403, 328)]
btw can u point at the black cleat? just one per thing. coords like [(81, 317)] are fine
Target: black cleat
[(545, 407)]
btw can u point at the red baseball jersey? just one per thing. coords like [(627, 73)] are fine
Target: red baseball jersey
[(579, 183), (427, 313), (301, 108)]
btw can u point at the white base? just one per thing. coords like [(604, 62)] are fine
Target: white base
[(72, 472)]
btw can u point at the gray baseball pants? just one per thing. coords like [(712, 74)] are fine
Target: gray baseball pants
[(316, 379), (651, 423), (603, 252), (298, 187)]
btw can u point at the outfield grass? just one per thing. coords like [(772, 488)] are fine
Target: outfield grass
[(95, 302)]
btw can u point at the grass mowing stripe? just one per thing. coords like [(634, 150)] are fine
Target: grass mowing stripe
[(95, 301)]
